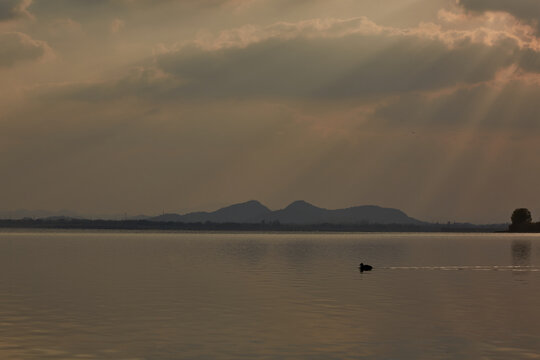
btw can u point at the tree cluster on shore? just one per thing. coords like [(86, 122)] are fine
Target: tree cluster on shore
[(522, 222), (275, 226)]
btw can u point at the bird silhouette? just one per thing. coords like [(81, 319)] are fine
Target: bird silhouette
[(366, 267)]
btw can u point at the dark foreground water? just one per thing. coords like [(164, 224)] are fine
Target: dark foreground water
[(92, 295)]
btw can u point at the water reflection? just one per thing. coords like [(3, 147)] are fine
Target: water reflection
[(297, 252), (249, 252), (521, 252)]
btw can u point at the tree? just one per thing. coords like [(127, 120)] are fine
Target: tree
[(521, 216), (521, 219)]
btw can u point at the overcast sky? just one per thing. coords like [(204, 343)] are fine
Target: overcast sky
[(144, 106)]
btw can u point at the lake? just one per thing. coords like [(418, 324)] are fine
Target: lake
[(148, 295)]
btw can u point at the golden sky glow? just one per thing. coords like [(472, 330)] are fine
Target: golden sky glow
[(139, 106)]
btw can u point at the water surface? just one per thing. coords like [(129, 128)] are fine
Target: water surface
[(127, 295)]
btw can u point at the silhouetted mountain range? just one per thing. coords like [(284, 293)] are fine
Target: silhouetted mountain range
[(21, 213), (299, 212), (55, 215)]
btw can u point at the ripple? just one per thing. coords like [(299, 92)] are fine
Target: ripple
[(468, 267)]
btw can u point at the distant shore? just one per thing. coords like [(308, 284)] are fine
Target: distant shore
[(85, 224)]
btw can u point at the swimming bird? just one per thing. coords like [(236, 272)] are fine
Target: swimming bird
[(363, 267)]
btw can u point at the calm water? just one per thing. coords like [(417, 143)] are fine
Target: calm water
[(93, 295)]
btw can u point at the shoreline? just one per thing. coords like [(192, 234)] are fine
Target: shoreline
[(144, 225)]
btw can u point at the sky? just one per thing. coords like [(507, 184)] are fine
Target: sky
[(139, 106)]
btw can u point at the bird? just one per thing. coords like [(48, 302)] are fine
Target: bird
[(363, 267)]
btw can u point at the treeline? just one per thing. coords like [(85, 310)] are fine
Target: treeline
[(522, 222), (276, 226)]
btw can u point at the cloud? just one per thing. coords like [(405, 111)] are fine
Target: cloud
[(17, 47), (319, 59), (528, 10), (83, 7), (149, 83), (13, 9), (334, 59)]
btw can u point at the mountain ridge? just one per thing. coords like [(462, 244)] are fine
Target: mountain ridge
[(297, 212)]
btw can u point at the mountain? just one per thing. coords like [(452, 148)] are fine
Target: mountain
[(298, 212), (301, 212), (374, 214), (247, 212)]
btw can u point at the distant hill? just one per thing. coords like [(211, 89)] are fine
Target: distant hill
[(247, 212), (41, 214), (299, 212), (63, 214)]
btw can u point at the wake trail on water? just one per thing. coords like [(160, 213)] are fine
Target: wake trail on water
[(470, 268)]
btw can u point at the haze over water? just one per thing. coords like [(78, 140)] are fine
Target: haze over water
[(99, 295)]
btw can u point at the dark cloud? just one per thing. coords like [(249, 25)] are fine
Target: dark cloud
[(528, 10), (331, 68), (141, 82), (85, 8), (351, 66), (529, 60), (13, 9), (74, 9), (18, 47)]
